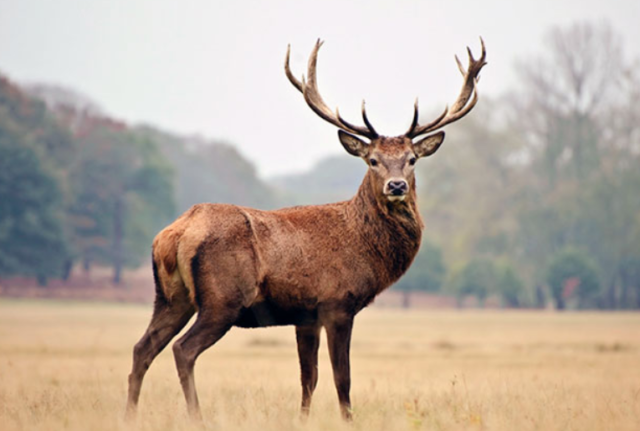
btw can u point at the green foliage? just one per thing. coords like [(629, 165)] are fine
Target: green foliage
[(509, 285), (581, 120), (332, 179), (425, 274), (476, 278), (210, 172), (76, 185), (572, 273), (468, 188), (28, 120), (554, 166), (427, 271), (482, 277), (123, 194), (32, 232)]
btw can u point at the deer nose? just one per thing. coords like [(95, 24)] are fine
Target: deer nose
[(397, 187)]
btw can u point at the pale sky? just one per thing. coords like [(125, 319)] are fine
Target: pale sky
[(215, 68)]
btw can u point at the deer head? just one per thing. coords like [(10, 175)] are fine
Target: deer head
[(391, 160)]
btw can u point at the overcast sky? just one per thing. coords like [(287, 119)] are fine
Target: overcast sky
[(215, 68)]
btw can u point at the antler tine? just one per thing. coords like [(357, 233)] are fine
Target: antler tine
[(414, 130), (414, 121), (460, 66), (287, 71), (309, 89), (367, 122), (471, 59), (466, 100), (458, 113), (352, 127), (369, 132)]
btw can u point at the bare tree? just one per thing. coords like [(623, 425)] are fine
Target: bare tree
[(564, 92), (578, 107)]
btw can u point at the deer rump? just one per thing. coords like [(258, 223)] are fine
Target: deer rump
[(280, 266)]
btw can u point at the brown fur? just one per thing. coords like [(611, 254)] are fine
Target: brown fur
[(309, 266)]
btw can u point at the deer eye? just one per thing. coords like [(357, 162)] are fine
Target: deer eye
[(412, 161), (373, 162)]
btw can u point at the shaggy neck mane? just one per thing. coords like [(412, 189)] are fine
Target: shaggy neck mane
[(391, 230)]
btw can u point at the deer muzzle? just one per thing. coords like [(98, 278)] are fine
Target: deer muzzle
[(396, 189)]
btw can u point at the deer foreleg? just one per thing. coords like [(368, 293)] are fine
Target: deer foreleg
[(339, 340), (308, 338)]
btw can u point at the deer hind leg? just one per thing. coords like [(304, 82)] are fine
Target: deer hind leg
[(339, 341), (167, 320), (205, 332), (219, 294), (308, 338)]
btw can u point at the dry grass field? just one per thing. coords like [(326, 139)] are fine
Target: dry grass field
[(64, 366)]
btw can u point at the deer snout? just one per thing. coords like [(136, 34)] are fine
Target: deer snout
[(396, 188)]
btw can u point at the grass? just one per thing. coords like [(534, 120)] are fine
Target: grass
[(64, 366)]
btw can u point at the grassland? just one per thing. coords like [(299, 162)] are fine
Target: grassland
[(64, 366)]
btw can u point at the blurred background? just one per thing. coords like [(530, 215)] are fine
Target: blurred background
[(116, 116)]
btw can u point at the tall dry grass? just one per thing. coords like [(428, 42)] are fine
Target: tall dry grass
[(64, 366)]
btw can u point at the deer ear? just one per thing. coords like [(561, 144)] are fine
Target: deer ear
[(428, 145), (353, 145)]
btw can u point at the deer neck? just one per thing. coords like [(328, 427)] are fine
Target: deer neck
[(391, 230)]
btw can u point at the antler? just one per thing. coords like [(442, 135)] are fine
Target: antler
[(309, 89), (460, 108)]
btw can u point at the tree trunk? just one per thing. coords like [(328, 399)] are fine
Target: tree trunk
[(611, 295), (459, 301), (66, 270), (540, 298), (624, 293), (406, 299), (117, 240), (513, 302)]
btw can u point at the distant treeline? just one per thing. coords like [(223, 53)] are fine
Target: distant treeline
[(534, 199), (78, 187)]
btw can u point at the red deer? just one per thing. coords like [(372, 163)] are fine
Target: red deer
[(307, 266)]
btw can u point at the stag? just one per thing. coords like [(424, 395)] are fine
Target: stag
[(311, 266)]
